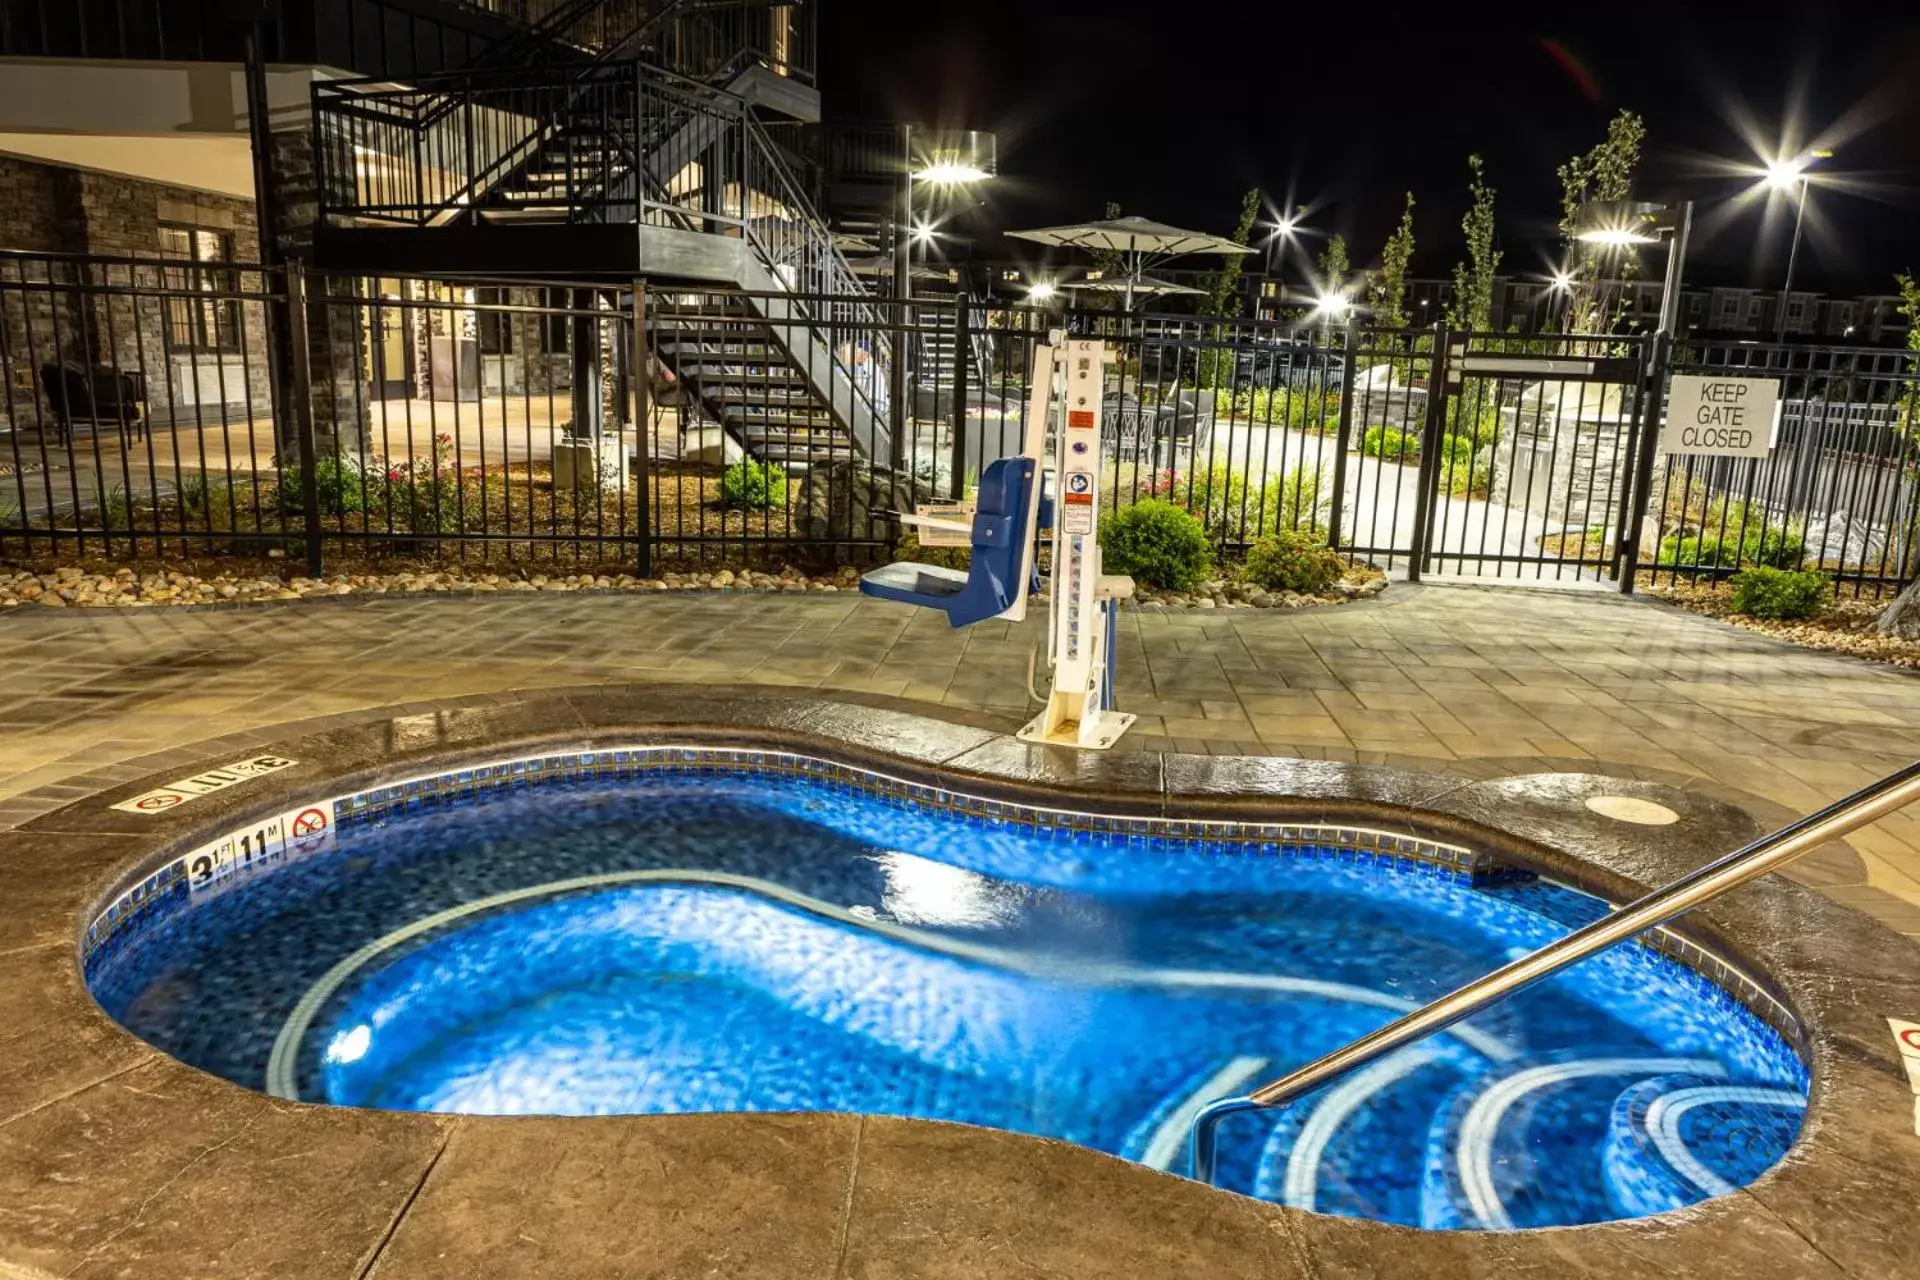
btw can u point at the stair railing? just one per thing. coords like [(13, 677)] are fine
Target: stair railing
[(1702, 885)]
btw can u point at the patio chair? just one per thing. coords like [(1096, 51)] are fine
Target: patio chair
[(96, 397)]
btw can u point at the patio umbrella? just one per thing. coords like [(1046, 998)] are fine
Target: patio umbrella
[(1140, 242), (1132, 286)]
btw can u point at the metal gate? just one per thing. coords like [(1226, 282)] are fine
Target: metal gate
[(1524, 462)]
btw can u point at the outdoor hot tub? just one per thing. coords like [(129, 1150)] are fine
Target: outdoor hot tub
[(664, 929), (687, 982)]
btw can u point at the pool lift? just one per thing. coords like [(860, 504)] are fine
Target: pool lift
[(1015, 502)]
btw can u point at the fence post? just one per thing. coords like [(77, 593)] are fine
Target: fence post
[(1641, 487), (961, 339), (1341, 434), (640, 384), (1439, 391), (300, 396)]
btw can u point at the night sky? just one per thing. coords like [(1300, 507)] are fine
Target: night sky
[(1174, 109)]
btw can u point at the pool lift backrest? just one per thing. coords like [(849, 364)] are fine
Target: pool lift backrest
[(1003, 537)]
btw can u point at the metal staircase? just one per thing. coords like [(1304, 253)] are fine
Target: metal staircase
[(730, 371), (613, 169)]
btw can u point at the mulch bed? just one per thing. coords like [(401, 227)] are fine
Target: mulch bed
[(1846, 627)]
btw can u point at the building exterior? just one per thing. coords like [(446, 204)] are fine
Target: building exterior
[(412, 148)]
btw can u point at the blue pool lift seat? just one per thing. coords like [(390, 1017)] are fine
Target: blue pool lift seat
[(1000, 536)]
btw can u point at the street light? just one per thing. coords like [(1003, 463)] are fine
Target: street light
[(1042, 292), (1561, 284), (1784, 175), (943, 161), (1622, 224), (1332, 307), (1281, 230)]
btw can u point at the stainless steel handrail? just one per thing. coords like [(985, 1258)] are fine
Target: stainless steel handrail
[(1701, 885)]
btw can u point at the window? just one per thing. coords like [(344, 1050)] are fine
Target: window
[(211, 325), (555, 331), (1797, 309), (496, 327)]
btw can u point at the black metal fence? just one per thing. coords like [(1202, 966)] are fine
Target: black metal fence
[(195, 409)]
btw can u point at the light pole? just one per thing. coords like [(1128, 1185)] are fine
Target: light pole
[(1280, 232), (1560, 286), (1622, 224), (946, 161), (1785, 176)]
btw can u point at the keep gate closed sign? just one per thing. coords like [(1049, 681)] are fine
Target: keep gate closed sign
[(1721, 417)]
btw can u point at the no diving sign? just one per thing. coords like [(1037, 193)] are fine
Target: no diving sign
[(1721, 417)]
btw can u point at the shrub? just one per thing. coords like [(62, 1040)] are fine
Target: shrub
[(1698, 551), (1463, 468), (1315, 411), (1217, 497), (115, 507), (342, 486), (1293, 501), (1292, 562), (1157, 544), (1762, 592), (1390, 444), (1776, 548), (1771, 548), (751, 485), (1475, 416)]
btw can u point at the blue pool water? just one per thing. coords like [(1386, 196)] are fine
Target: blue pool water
[(674, 942)]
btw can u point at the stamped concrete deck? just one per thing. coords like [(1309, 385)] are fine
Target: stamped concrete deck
[(117, 1161), (1481, 683)]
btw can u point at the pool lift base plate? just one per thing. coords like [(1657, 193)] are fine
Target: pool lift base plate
[(1096, 733)]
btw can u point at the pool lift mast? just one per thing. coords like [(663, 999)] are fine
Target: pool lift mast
[(1011, 510), (1081, 710)]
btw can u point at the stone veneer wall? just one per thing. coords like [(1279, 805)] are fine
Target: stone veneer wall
[(57, 209)]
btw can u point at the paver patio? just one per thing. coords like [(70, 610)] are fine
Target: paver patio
[(1480, 683)]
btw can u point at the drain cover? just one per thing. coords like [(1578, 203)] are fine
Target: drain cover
[(1629, 809)]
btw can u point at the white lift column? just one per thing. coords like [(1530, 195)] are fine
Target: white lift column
[(1079, 710)]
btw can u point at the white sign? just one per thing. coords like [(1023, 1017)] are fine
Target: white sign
[(173, 794), (962, 512), (1907, 1036), (1721, 417)]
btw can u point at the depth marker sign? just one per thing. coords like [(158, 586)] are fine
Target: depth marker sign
[(178, 793)]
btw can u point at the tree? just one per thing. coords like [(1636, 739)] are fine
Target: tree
[(1389, 294), (1472, 304), (1602, 175), (1902, 617), (1221, 285), (1222, 294), (1335, 266)]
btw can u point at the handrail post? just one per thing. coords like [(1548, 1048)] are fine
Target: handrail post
[(1701, 885)]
